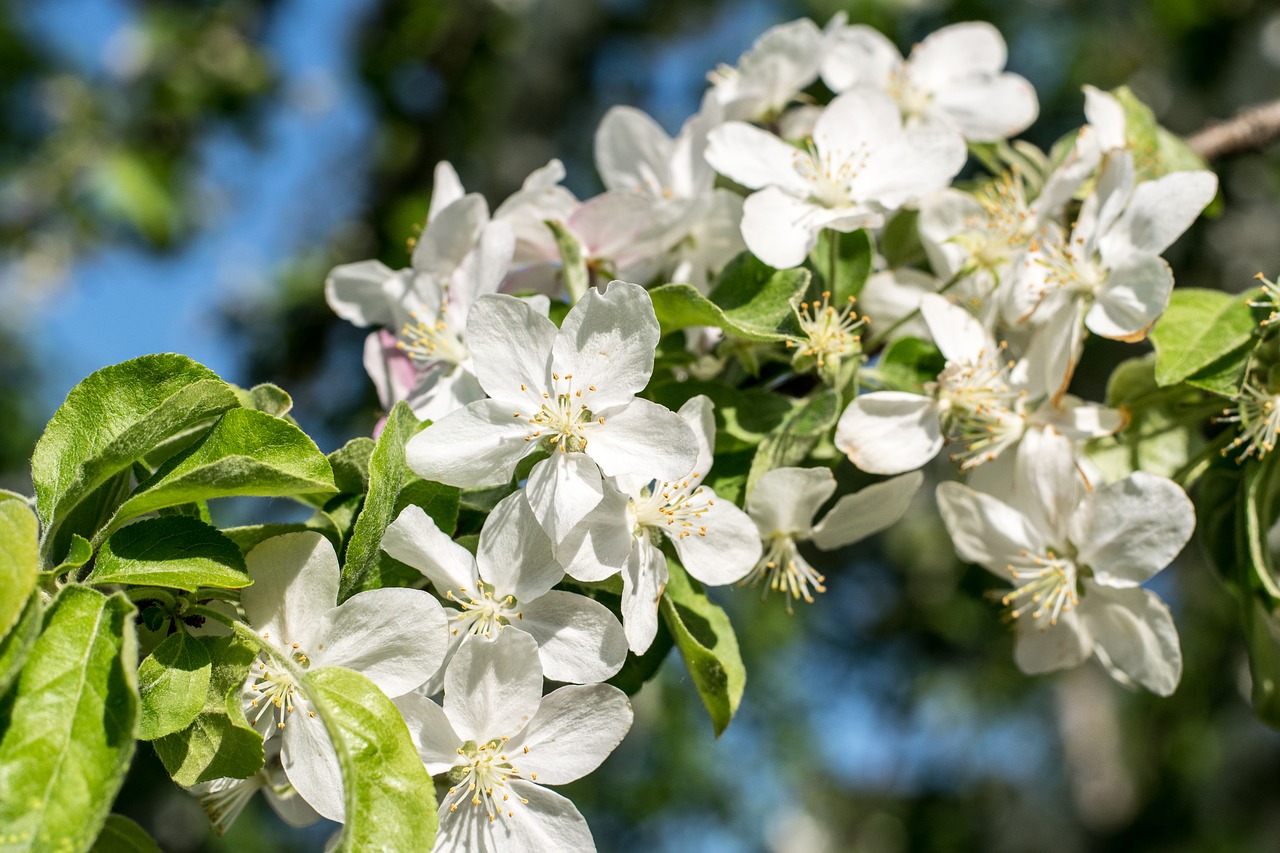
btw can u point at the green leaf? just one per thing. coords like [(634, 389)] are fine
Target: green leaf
[(266, 397), (577, 278), (121, 835), (705, 638), (16, 645), (387, 474), (351, 465), (791, 442), (79, 553), (1199, 328), (70, 724), (172, 682), (849, 255), (6, 495), (750, 300), (19, 560), (245, 453), (1262, 638), (1157, 437), (172, 551), (908, 363), (900, 241), (112, 418), (1156, 151), (219, 742), (437, 500), (390, 799)]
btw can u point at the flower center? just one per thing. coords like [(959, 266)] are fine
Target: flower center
[(1044, 588), (911, 99), (564, 418), (1257, 411), (783, 569), (981, 412), (832, 332), (829, 173), (428, 337), (674, 508), (485, 615), (277, 692), (484, 776)]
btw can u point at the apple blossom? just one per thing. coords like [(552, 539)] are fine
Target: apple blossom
[(498, 740), (783, 505), (508, 584), (394, 637), (569, 392)]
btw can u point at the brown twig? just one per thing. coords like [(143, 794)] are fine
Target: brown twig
[(1251, 130)]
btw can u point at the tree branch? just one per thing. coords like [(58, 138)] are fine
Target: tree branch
[(1251, 130)]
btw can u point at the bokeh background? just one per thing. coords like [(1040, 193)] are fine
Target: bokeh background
[(180, 176)]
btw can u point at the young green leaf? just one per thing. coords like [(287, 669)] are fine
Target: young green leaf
[(70, 724), (121, 835), (172, 683), (351, 465), (265, 398), (750, 300), (705, 638), (110, 419), (842, 262), (16, 645), (1199, 328), (791, 442), (577, 278), (390, 799), (19, 560), (219, 742), (387, 474), (245, 453), (172, 551)]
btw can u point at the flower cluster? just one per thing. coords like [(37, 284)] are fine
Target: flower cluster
[(540, 342)]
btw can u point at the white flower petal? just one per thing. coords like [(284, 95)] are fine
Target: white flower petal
[(514, 553), (1132, 299), (857, 516), (986, 531), (645, 439), (859, 56), (358, 293), (972, 48), (510, 344), (574, 731), (643, 580), (601, 544), (988, 109), (394, 637), (632, 151), (1048, 483), (608, 341), (537, 820), (446, 188), (1060, 646), (432, 734), (1131, 529), (1136, 631), (450, 236), (295, 582), (728, 549), (858, 120), (474, 447), (785, 500), (312, 765), (493, 686), (890, 432), (562, 490), (1106, 118), (959, 334), (1158, 213), (415, 540), (780, 228), (579, 639)]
